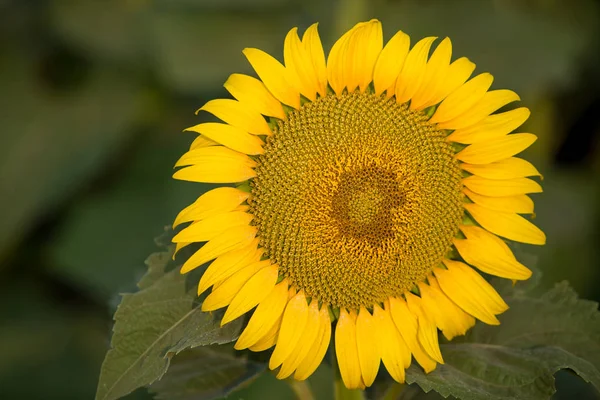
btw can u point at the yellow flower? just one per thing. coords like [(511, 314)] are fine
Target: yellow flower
[(359, 191)]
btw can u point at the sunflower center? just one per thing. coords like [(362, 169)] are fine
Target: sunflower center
[(356, 198)]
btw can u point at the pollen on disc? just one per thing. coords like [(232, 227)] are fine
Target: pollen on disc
[(356, 198)]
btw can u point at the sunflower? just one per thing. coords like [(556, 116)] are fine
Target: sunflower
[(360, 196)]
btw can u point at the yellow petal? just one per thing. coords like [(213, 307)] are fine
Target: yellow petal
[(367, 345), (337, 64), (316, 352), (470, 291), (501, 187), (270, 338), (447, 316), (496, 149), (407, 325), (413, 71), (346, 350), (225, 265), (226, 292), (299, 65), (179, 246), (390, 63), (463, 98), (491, 127), (213, 202), (202, 141), (394, 352), (214, 155), (508, 168), (253, 93), (312, 44), (235, 138), (264, 317), (490, 254), (252, 293), (239, 115), (427, 334), (215, 164), (210, 227), (520, 204), (508, 225), (292, 325), (458, 72), (363, 49), (435, 74), (274, 76), (305, 342), (490, 102), (233, 239)]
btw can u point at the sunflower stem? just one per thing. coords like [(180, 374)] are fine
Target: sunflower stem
[(301, 389)]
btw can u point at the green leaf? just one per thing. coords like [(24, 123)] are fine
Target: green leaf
[(207, 372), (538, 336), (154, 324)]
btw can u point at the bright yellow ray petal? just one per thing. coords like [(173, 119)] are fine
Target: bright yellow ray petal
[(394, 352), (214, 155), (270, 338), (202, 141), (463, 98), (239, 115), (312, 44), (213, 202), (389, 63), (317, 351), (496, 149), (299, 65), (435, 74), (226, 292), (368, 346), (501, 187), (252, 293), (413, 70), (508, 168), (253, 93), (491, 127), (427, 333), (449, 317), (490, 254), (264, 317), (233, 239), (508, 225), (292, 325), (470, 291), (346, 350), (337, 63), (520, 204), (274, 76), (490, 102), (363, 49), (210, 227), (235, 138), (225, 265), (458, 72), (407, 325), (306, 341), (215, 164)]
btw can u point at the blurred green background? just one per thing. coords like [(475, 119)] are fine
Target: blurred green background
[(95, 94)]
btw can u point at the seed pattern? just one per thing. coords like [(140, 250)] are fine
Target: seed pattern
[(356, 198)]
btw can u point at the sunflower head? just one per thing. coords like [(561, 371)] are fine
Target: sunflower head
[(363, 192)]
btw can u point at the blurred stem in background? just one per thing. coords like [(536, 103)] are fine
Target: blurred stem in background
[(348, 13), (301, 389)]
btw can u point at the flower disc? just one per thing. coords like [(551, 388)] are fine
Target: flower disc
[(356, 198)]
